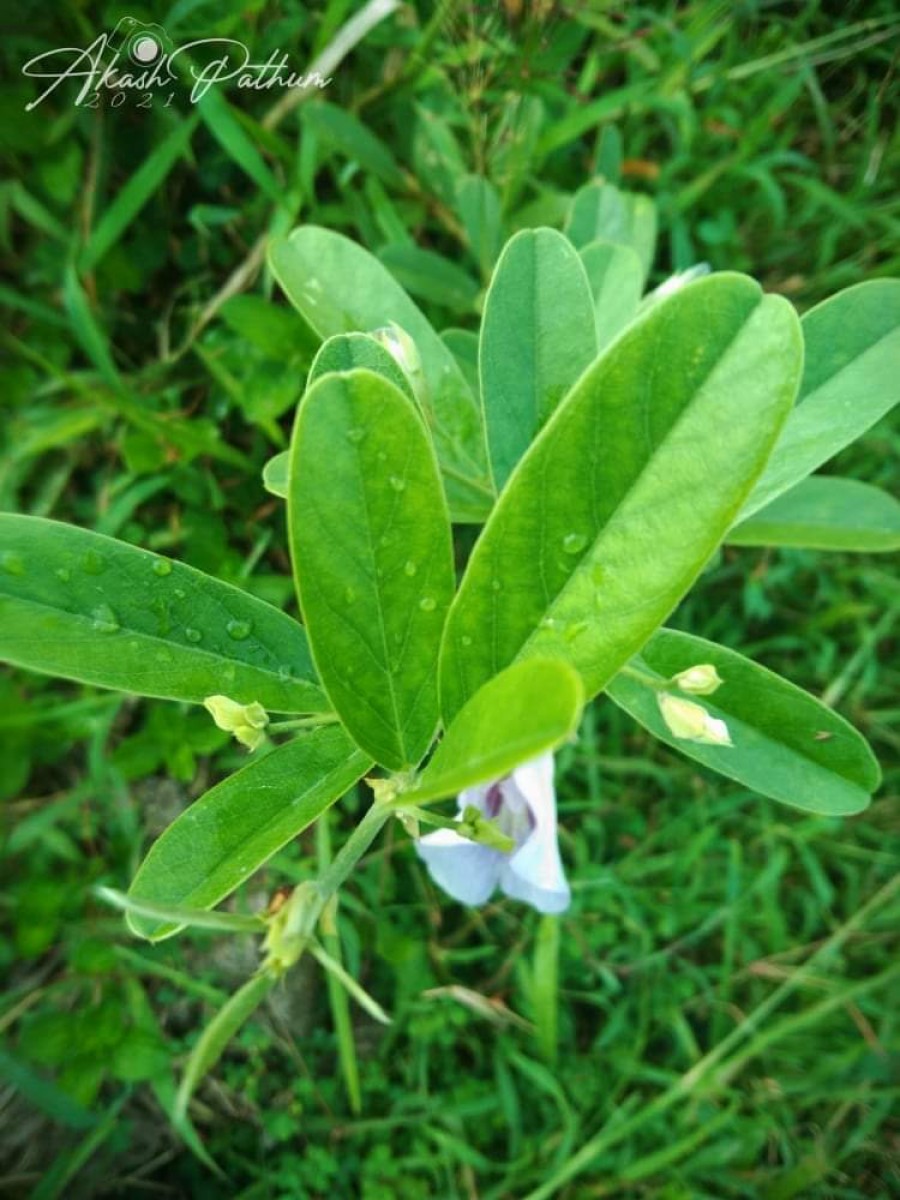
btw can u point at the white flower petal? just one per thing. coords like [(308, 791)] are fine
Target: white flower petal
[(535, 875), (466, 871)]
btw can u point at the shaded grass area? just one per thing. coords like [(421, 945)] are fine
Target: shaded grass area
[(722, 1020)]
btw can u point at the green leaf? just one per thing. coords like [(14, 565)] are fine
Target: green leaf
[(275, 474), (239, 824), (279, 332), (340, 128), (664, 436), (339, 287), (479, 208), (849, 382), (87, 607), (370, 542), (529, 708), (598, 212), (537, 337), (616, 279), (825, 513), (219, 117), (218, 1033), (463, 345), (787, 744), (640, 221), (431, 277), (348, 350)]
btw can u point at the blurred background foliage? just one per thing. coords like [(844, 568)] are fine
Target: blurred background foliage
[(723, 1019)]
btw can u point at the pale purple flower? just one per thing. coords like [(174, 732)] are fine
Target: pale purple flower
[(523, 806)]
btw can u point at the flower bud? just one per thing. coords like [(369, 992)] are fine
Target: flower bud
[(701, 680), (691, 721), (246, 721)]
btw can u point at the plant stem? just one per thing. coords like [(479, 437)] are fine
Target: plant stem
[(350, 853), (651, 681), (303, 723)]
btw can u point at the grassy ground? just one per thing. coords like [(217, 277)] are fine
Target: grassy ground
[(722, 1021)]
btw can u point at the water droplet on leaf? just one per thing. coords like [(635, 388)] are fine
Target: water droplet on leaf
[(410, 568), (466, 640), (355, 434), (162, 567), (238, 630), (93, 563), (574, 543), (397, 483), (428, 604), (104, 619), (349, 595), (193, 635), (13, 563), (63, 573)]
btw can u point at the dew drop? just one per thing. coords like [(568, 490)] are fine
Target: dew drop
[(397, 483), (284, 672), (63, 573), (355, 435), (179, 592), (349, 595), (104, 619), (162, 567), (548, 623), (496, 585), (93, 563), (428, 604), (466, 640), (410, 569), (193, 635), (238, 630), (574, 543), (382, 457), (13, 563)]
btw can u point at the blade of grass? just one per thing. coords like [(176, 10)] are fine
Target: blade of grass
[(132, 197)]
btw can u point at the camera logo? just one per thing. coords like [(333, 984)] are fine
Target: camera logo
[(144, 44)]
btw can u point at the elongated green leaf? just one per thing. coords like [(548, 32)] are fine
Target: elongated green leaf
[(529, 708), (132, 197), (370, 542), (431, 277), (598, 212), (463, 345), (342, 352), (640, 222), (239, 824), (339, 287), (479, 207), (787, 744), (619, 503), (340, 128), (218, 1033), (537, 337), (222, 123), (84, 606), (616, 279), (825, 513), (88, 330), (849, 382), (345, 351)]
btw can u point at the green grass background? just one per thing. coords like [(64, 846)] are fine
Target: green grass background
[(717, 1015)]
